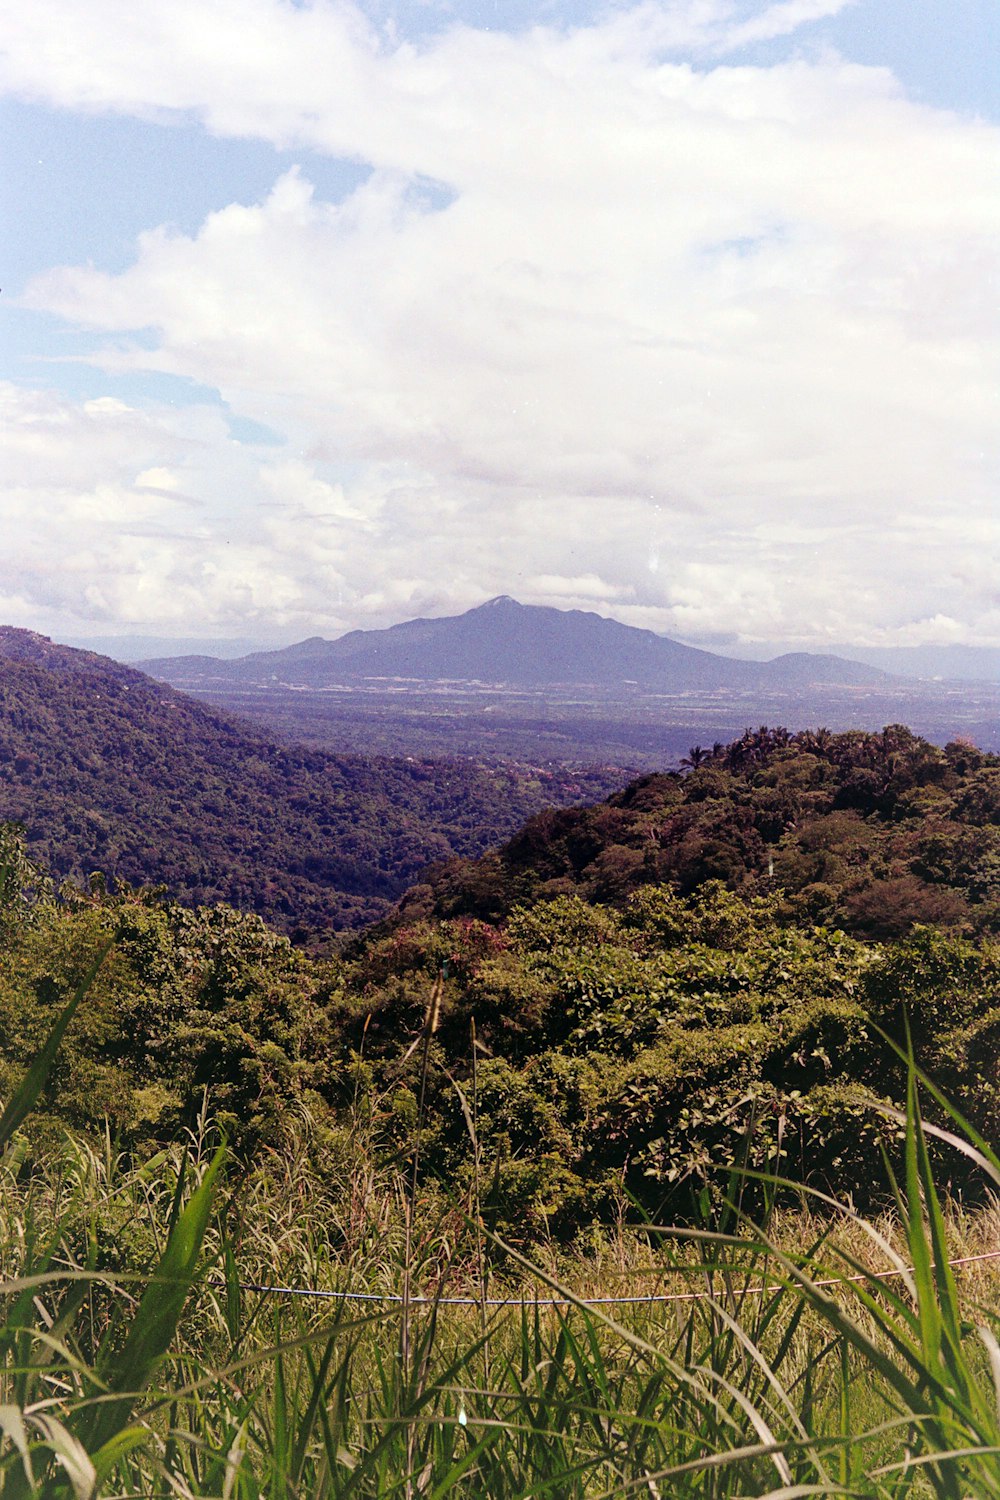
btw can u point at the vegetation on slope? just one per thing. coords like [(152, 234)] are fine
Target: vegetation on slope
[(871, 833), (113, 772), (140, 1355), (663, 1045), (628, 1037)]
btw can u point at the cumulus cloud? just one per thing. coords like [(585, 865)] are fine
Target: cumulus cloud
[(776, 21), (335, 75), (710, 348), (112, 513)]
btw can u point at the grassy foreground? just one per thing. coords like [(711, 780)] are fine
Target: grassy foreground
[(138, 1358)]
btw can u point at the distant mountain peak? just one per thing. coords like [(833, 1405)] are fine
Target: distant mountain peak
[(503, 642)]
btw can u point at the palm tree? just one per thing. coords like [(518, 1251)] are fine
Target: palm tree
[(695, 757)]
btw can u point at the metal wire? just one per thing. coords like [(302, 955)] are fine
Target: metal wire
[(393, 1298)]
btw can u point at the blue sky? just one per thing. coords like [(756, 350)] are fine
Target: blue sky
[(324, 315)]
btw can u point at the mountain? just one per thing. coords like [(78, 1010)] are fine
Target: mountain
[(111, 771), (518, 645)]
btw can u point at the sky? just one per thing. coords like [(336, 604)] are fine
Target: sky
[(325, 315)]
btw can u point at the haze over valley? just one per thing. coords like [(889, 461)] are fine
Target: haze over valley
[(521, 682)]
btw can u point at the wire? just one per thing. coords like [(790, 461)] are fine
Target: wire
[(573, 1301)]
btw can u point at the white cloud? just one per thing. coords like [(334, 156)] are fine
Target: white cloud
[(113, 513), (579, 592), (324, 73), (695, 344), (306, 552), (780, 20), (160, 480)]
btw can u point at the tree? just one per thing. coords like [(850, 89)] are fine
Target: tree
[(24, 886)]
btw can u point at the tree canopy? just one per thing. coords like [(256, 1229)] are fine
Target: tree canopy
[(626, 1015)]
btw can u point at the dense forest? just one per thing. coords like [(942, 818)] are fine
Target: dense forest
[(110, 771), (499, 1212), (868, 832), (620, 1158), (712, 967)]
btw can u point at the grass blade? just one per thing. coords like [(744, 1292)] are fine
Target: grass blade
[(25, 1096)]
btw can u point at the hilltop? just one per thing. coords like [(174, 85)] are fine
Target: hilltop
[(872, 833), (507, 681)]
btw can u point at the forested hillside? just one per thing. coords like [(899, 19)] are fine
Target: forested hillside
[(110, 771), (868, 832), (611, 1092), (710, 968)]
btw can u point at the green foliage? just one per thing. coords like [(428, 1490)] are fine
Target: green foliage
[(186, 1001), (648, 1051), (75, 1451), (110, 771), (641, 1051), (25, 888), (646, 1020), (873, 833), (772, 1366)]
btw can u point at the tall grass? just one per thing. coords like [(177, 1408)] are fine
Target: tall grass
[(135, 1360)]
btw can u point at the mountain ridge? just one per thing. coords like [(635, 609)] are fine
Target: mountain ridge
[(503, 642)]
